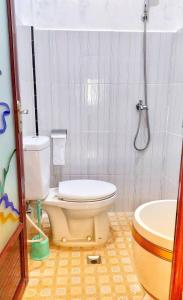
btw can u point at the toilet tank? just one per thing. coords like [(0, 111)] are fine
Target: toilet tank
[(36, 167)]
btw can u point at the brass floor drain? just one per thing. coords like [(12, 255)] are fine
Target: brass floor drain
[(94, 259)]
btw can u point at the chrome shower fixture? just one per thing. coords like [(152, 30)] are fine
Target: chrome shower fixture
[(146, 11), (147, 5), (141, 106)]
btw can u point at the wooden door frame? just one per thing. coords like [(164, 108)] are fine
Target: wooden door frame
[(20, 232), (176, 290)]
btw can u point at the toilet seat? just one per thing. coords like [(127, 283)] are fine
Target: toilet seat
[(85, 190), (53, 200)]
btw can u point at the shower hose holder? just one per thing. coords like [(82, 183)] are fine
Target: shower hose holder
[(145, 15)]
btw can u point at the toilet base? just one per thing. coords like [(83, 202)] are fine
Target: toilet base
[(78, 223), (69, 229), (78, 243)]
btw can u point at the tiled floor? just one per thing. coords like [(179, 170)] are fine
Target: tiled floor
[(67, 276)]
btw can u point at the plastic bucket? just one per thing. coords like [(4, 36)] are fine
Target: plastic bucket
[(39, 250)]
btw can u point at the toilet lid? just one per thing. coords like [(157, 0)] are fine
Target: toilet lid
[(91, 190)]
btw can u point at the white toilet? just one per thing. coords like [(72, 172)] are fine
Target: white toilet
[(77, 209)]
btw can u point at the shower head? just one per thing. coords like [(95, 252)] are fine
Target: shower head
[(149, 3), (153, 2)]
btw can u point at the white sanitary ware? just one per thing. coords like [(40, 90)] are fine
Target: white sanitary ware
[(36, 167), (77, 210), (154, 222)]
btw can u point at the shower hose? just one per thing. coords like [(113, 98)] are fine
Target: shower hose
[(143, 108)]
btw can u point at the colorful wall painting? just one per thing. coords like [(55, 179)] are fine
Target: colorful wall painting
[(4, 114), (8, 212)]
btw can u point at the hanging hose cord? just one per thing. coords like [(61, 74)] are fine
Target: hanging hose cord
[(145, 94)]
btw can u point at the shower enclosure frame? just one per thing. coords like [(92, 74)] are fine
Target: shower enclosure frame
[(176, 289)]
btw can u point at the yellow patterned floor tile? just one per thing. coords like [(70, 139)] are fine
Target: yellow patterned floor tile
[(65, 275)]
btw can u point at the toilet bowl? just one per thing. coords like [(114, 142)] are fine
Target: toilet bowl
[(77, 212), (77, 209)]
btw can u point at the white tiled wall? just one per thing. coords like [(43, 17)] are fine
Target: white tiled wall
[(165, 15), (89, 83), (66, 57), (174, 130)]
